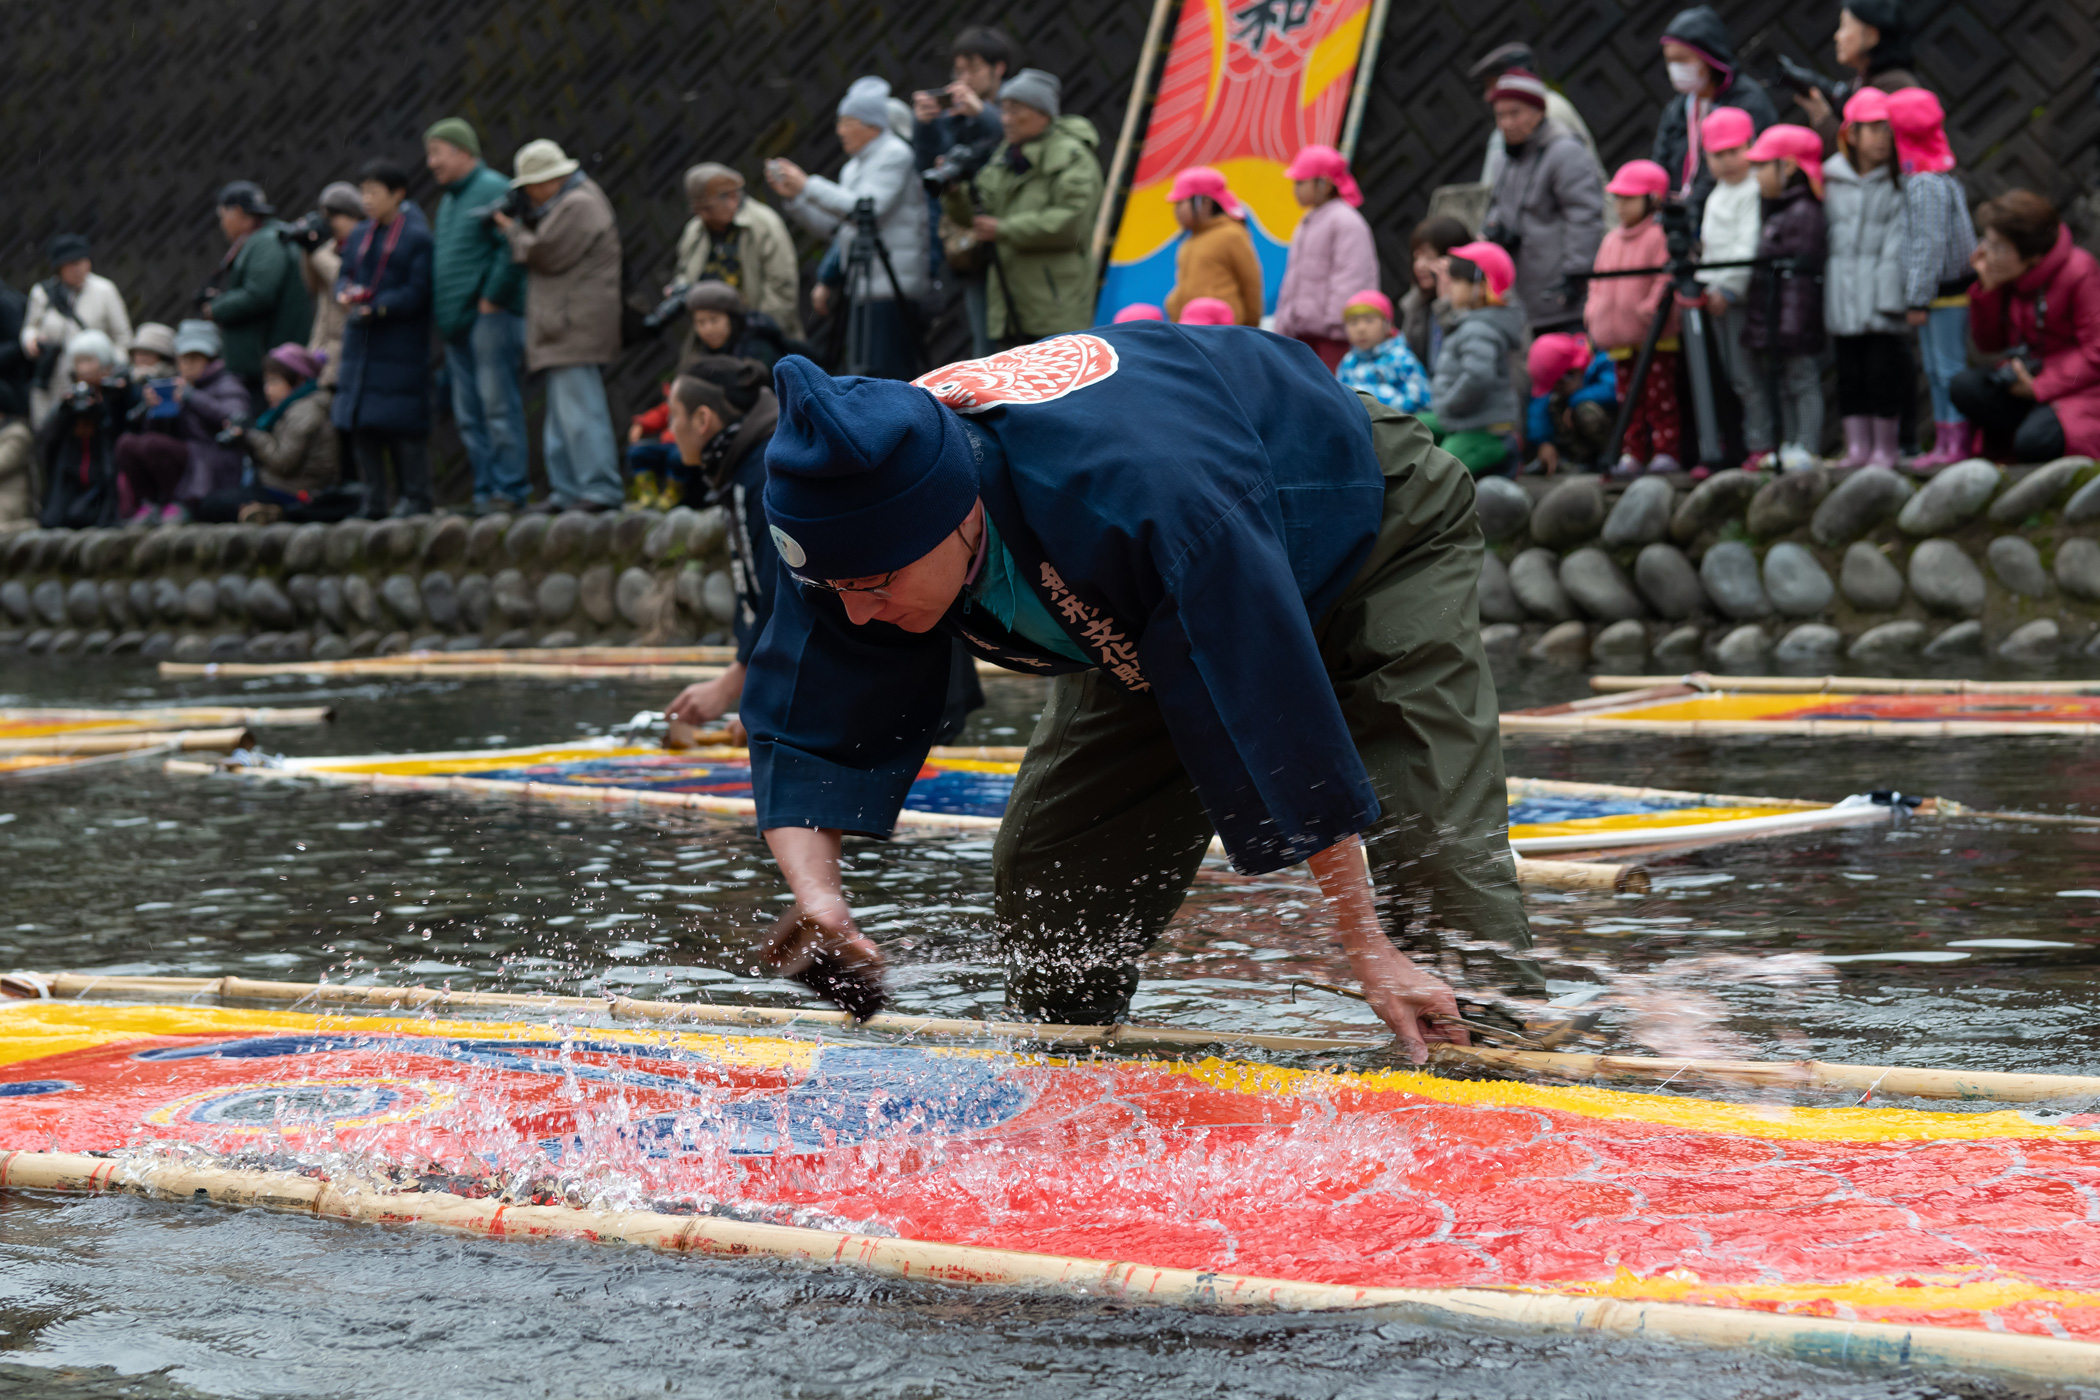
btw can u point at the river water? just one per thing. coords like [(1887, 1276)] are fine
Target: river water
[(1942, 942)]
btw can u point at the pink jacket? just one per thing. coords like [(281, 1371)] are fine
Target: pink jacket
[(1620, 309), (1332, 257), (2002, 317)]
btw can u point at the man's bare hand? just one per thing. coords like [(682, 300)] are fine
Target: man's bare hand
[(985, 229), (786, 177), (1815, 104), (820, 298), (926, 106), (1418, 1007), (709, 700), (965, 98)]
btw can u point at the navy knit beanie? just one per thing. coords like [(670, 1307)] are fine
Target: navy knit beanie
[(862, 475)]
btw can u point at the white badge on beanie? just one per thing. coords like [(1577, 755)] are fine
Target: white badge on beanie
[(791, 552)]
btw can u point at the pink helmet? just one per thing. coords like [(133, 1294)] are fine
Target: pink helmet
[(1208, 311), (1494, 263), (1796, 143), (1370, 299), (1640, 177), (1919, 122), (1553, 355), (1725, 128), (1139, 311), (1326, 163), (1869, 104), (1203, 180)]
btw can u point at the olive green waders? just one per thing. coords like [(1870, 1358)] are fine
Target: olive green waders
[(1104, 830)]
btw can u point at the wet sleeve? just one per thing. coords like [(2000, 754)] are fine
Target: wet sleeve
[(1258, 727), (841, 717)]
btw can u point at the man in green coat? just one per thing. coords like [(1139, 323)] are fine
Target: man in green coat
[(258, 296), (478, 301), (1035, 202)]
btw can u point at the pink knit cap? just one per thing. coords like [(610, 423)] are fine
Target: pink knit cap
[(1208, 311), (1640, 177), (1725, 128), (1919, 122), (1202, 179), (1553, 355), (1139, 311), (1370, 299), (1869, 104), (1326, 163), (1796, 143), (1494, 263)]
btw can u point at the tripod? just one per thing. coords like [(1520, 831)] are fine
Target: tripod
[(863, 348)]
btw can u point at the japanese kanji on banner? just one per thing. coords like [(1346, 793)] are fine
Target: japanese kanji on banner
[(1247, 83)]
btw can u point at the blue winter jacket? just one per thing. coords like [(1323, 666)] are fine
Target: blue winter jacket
[(1189, 502), (384, 381)]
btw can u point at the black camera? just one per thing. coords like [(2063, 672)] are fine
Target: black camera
[(1800, 79), (955, 165), (669, 309), (512, 203), (1507, 239), (82, 397), (309, 231), (2006, 372)]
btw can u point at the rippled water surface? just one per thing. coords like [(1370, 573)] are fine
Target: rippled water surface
[(1941, 943)]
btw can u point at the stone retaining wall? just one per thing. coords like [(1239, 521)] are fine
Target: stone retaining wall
[(287, 592), (1799, 568)]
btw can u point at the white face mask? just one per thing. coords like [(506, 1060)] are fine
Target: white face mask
[(1689, 76)]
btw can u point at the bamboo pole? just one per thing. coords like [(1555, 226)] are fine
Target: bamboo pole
[(93, 743), (1583, 875), (176, 717), (1519, 722), (62, 765), (1812, 1339), (1119, 165), (1895, 1081), (1520, 788), (1855, 685), (1360, 92), (424, 666)]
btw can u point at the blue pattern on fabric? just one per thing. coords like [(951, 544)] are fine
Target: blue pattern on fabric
[(1390, 373)]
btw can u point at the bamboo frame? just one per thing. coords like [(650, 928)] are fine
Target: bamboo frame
[(1854, 685), (92, 743), (427, 666), (1119, 164), (169, 718), (1892, 1080), (1576, 717), (63, 766), (1556, 787), (1817, 1340), (1360, 92)]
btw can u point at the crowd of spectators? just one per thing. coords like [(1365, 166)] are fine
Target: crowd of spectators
[(1837, 248)]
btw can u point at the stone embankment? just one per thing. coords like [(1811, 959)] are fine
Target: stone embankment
[(289, 592), (1799, 568)]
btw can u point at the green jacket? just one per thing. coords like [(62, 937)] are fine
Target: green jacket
[(1046, 230), (262, 301), (472, 258)]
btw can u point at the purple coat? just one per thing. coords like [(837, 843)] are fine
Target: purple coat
[(1783, 309), (214, 465), (1333, 257)]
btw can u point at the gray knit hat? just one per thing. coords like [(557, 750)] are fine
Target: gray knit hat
[(1034, 88), (868, 102), (341, 197)]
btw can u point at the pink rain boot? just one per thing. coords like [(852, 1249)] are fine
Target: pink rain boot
[(1859, 441), (1883, 441), (1948, 439)]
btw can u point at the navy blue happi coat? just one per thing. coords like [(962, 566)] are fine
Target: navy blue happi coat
[(1188, 503)]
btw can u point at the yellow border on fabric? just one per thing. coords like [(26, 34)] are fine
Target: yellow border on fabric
[(1659, 822), (1728, 705), (37, 1029), (460, 766), (1923, 1291)]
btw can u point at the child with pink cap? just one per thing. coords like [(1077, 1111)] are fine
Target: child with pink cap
[(1473, 411), (1217, 258), (1379, 362), (1728, 234), (1208, 311), (1574, 400), (1863, 301), (1621, 309), (1783, 310), (1332, 252), (1938, 237)]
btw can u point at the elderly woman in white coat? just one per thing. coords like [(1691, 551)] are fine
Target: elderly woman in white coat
[(879, 168), (73, 299), (1864, 302)]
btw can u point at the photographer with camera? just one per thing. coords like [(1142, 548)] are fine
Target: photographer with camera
[(321, 234), (882, 296), (1873, 39), (2035, 308), (734, 239), (77, 443), (1700, 58), (955, 132), (73, 299), (382, 397), (1547, 209), (167, 473), (478, 302), (1032, 206), (257, 295), (568, 240)]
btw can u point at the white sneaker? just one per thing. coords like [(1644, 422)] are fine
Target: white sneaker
[(1628, 465), (1795, 458)]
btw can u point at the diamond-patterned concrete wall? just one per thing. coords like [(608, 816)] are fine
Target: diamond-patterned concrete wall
[(123, 121)]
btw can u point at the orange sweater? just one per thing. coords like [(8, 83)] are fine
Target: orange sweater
[(1218, 262)]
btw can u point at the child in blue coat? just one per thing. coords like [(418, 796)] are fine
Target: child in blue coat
[(1379, 362)]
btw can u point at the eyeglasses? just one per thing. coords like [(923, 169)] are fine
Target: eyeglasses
[(880, 587)]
